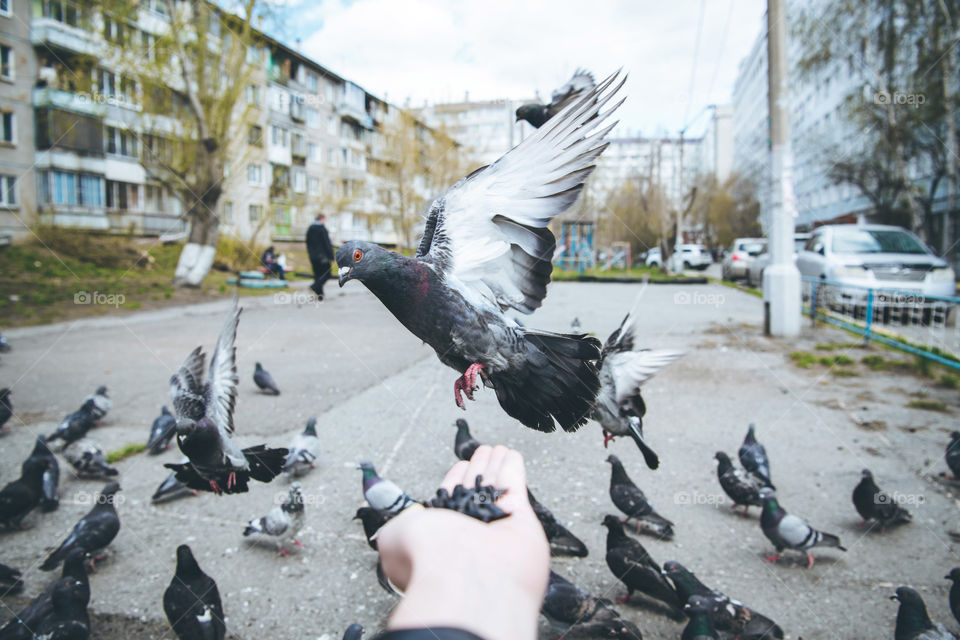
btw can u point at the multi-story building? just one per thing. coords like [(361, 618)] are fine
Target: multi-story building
[(17, 73), (671, 163), (715, 153)]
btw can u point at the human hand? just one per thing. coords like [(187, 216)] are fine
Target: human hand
[(486, 578)]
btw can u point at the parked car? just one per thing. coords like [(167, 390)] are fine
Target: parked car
[(874, 255), (741, 254), (755, 270), (653, 258), (690, 256)]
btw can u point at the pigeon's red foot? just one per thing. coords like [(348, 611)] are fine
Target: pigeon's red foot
[(607, 437), (215, 487), (861, 524), (232, 480), (298, 543), (467, 383), (623, 599), (194, 492), (774, 558), (810, 560), (284, 552)]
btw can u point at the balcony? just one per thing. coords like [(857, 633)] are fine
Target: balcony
[(356, 113), (82, 103), (61, 30)]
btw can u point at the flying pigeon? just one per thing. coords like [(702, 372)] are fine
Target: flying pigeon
[(623, 368), (562, 542), (700, 626), (580, 84), (787, 531), (101, 402), (954, 576), (753, 457), (303, 451), (565, 605), (264, 381), (465, 444), (283, 523), (50, 499), (381, 494), (88, 459), (162, 432), (192, 601), (953, 454), (913, 621), (486, 247), (726, 615), (28, 619), (204, 413), (10, 582), (632, 565), (77, 424), (353, 632), (631, 501), (92, 533), (6, 409), (172, 489), (68, 619), (873, 504), (741, 487), (20, 497), (372, 520)]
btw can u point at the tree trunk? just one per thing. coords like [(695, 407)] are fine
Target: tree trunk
[(197, 255), (949, 107)]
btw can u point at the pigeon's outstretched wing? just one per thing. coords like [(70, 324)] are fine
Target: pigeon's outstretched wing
[(220, 392), (632, 368), (186, 387), (489, 232), (580, 83)]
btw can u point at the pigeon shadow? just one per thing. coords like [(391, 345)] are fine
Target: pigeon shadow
[(642, 602), (798, 561), (271, 546)]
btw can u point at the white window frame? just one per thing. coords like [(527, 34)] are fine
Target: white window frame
[(11, 64), (6, 13), (13, 128), (8, 186), (257, 172)]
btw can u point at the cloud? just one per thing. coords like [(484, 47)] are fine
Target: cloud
[(435, 50)]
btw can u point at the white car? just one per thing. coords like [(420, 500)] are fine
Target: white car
[(653, 258), (877, 256), (690, 256), (741, 254)]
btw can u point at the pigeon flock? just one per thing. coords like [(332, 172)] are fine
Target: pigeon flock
[(486, 250)]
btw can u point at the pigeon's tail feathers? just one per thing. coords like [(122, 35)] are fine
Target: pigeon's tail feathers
[(828, 540), (568, 544), (54, 559), (649, 455), (559, 381), (254, 526), (265, 464)]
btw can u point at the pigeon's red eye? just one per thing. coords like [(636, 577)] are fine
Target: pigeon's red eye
[(357, 255)]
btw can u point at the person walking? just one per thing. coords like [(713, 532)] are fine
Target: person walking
[(321, 254)]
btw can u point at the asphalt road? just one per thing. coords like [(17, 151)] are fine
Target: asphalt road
[(381, 395)]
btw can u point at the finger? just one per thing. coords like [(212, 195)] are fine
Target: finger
[(513, 478), (455, 475), (497, 457), (478, 465)]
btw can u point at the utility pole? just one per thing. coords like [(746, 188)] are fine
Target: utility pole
[(781, 280)]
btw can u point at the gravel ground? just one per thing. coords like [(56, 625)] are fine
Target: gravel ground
[(379, 394)]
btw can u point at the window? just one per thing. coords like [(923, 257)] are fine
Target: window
[(332, 125), (299, 146), (299, 181), (313, 152), (253, 95), (332, 157), (6, 62), (297, 108), (313, 118), (66, 188), (228, 212), (278, 136), (8, 191), (311, 83), (5, 7), (255, 174), (255, 211), (124, 196), (255, 135), (313, 186), (120, 142), (7, 128)]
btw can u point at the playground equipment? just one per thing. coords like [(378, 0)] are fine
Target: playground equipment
[(575, 249)]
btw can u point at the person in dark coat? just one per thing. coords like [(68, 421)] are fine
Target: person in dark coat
[(269, 260), (321, 254)]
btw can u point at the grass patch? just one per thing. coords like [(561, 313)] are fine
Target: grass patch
[(845, 373), (830, 346), (803, 359), (125, 452), (928, 405), (655, 275), (949, 381), (739, 287)]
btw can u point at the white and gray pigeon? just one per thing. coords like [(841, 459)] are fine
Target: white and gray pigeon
[(575, 88), (623, 369), (303, 451), (101, 402), (264, 381), (204, 412), (283, 523), (913, 621), (753, 457), (88, 459), (162, 432), (382, 494), (787, 531), (487, 248)]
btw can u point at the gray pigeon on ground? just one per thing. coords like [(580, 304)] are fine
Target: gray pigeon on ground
[(192, 601), (372, 520), (382, 494), (92, 533), (700, 626), (101, 402), (874, 505), (28, 619), (6, 409), (50, 499), (634, 504), (204, 413), (739, 486), (630, 563), (264, 381), (787, 531), (580, 84), (353, 632), (952, 454), (465, 444), (77, 424), (566, 606), (562, 542), (753, 457), (21, 496), (162, 432), (486, 248), (88, 459), (303, 451), (171, 489), (913, 621), (283, 523), (69, 619), (623, 369)]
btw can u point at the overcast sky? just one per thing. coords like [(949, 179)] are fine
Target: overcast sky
[(437, 50)]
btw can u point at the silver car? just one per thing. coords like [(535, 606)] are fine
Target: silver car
[(741, 254), (755, 270), (878, 256)]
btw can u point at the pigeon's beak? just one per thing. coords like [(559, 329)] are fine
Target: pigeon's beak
[(344, 274)]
